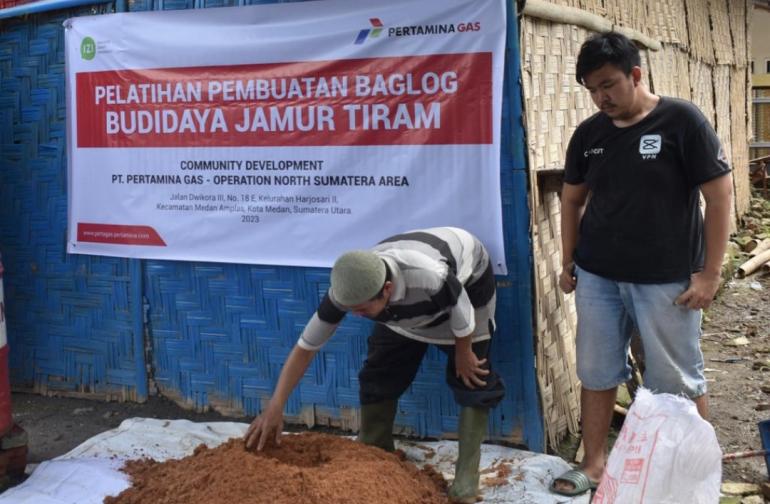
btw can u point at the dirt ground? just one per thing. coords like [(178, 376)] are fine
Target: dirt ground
[(736, 349), (55, 425), (739, 376)]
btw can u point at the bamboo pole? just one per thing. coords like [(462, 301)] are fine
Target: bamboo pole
[(744, 454), (565, 14), (753, 264), (756, 247)]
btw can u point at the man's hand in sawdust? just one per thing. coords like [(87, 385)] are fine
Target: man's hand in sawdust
[(266, 428), (699, 295)]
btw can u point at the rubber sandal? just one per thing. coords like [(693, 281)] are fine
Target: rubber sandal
[(580, 481)]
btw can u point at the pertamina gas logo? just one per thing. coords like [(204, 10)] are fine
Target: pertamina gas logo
[(372, 32), (377, 28)]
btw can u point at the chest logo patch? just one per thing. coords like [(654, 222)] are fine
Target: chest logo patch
[(650, 145), (596, 151)]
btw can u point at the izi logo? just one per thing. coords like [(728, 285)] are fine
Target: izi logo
[(372, 32), (88, 48), (649, 146)]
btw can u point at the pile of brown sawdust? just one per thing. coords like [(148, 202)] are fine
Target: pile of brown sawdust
[(305, 468)]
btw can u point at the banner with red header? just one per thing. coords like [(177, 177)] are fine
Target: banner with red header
[(283, 134)]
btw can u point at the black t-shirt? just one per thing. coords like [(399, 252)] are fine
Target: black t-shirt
[(642, 222)]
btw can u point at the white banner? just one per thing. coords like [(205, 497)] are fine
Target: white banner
[(283, 134)]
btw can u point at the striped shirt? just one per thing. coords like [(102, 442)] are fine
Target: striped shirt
[(443, 287)]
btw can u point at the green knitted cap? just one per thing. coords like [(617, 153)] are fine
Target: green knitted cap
[(357, 277)]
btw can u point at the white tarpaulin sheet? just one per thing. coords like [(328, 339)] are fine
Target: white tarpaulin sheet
[(283, 134), (90, 472)]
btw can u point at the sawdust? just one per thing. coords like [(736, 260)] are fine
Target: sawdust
[(306, 468), (502, 472)]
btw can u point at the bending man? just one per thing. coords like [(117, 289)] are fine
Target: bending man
[(433, 286)]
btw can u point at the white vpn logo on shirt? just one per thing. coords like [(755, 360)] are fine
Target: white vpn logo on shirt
[(650, 145)]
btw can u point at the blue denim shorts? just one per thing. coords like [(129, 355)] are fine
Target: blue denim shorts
[(607, 313)]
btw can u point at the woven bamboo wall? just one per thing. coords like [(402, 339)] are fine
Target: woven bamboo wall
[(555, 318), (739, 28), (739, 15), (703, 59), (702, 87), (666, 21), (701, 46), (670, 70), (740, 125), (555, 105), (724, 52), (628, 13), (721, 75)]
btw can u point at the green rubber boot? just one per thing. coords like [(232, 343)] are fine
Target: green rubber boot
[(473, 430), (377, 424)]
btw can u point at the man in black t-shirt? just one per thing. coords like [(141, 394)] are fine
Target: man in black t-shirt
[(636, 248)]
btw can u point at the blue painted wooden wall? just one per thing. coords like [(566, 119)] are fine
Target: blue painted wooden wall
[(205, 334)]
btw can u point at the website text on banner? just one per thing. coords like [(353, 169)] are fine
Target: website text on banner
[(253, 138)]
